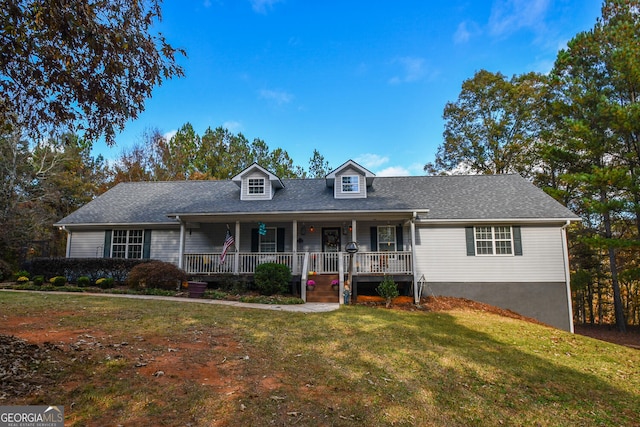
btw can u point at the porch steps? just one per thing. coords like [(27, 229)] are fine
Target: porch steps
[(323, 291)]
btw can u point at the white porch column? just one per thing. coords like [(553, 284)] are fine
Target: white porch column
[(181, 247), (236, 254), (353, 231), (294, 246), (412, 226)]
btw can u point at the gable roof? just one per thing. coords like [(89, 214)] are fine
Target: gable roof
[(331, 176), (447, 198), (275, 181)]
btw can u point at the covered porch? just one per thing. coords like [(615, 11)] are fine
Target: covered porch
[(315, 247)]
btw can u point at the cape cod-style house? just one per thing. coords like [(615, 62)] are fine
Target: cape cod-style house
[(491, 238)]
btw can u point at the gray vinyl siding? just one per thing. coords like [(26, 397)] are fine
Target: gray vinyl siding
[(165, 245), (362, 185), (442, 257), (86, 244), (268, 190)]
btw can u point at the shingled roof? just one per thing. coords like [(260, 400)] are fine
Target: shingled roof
[(461, 197)]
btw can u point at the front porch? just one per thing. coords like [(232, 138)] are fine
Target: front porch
[(367, 267)]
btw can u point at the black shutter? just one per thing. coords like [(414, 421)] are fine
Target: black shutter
[(255, 240), (107, 244), (146, 244), (399, 239), (374, 239), (280, 239), (471, 245), (517, 241)]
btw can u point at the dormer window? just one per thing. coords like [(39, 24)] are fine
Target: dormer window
[(256, 186), (350, 181), (350, 184)]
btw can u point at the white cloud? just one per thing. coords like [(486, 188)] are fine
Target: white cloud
[(263, 6), (412, 69), (371, 161), (393, 171), (465, 31), (462, 34), (232, 126), (170, 134), (278, 96), (508, 16)]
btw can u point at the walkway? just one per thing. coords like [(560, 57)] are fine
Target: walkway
[(313, 307)]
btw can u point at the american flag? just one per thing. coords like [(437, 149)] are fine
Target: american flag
[(228, 242)]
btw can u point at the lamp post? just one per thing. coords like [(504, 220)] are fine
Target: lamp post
[(351, 248)]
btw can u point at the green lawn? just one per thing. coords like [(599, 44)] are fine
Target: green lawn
[(355, 366)]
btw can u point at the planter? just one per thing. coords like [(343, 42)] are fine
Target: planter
[(196, 289), (310, 287)]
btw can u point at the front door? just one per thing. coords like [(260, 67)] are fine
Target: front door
[(331, 245), (331, 240)]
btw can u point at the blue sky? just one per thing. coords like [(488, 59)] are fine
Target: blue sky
[(354, 79)]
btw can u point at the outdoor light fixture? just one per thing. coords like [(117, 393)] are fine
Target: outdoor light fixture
[(311, 229), (351, 247)]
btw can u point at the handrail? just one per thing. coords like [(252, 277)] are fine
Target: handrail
[(300, 263)]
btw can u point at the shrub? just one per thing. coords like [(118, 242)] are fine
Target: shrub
[(58, 281), (22, 279), (388, 289), (272, 278), (38, 280), (156, 274), (105, 282), (83, 281), (19, 274)]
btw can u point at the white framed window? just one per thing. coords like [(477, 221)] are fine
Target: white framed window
[(269, 241), (386, 238), (493, 240), (350, 184), (127, 244), (256, 186)]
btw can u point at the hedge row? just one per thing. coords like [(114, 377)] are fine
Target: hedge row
[(73, 268)]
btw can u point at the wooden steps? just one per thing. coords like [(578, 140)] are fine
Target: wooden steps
[(323, 291)]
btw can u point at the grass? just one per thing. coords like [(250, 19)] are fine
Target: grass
[(355, 366)]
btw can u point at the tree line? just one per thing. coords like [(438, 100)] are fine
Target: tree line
[(574, 132), (41, 183)]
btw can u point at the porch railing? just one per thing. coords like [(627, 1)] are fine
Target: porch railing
[(209, 263), (319, 262)]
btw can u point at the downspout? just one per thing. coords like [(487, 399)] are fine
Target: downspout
[(181, 247), (416, 295), (567, 273)]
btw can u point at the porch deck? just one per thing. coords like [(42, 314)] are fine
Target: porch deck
[(368, 268)]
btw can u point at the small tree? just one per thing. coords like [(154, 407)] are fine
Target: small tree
[(272, 278), (388, 289)]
